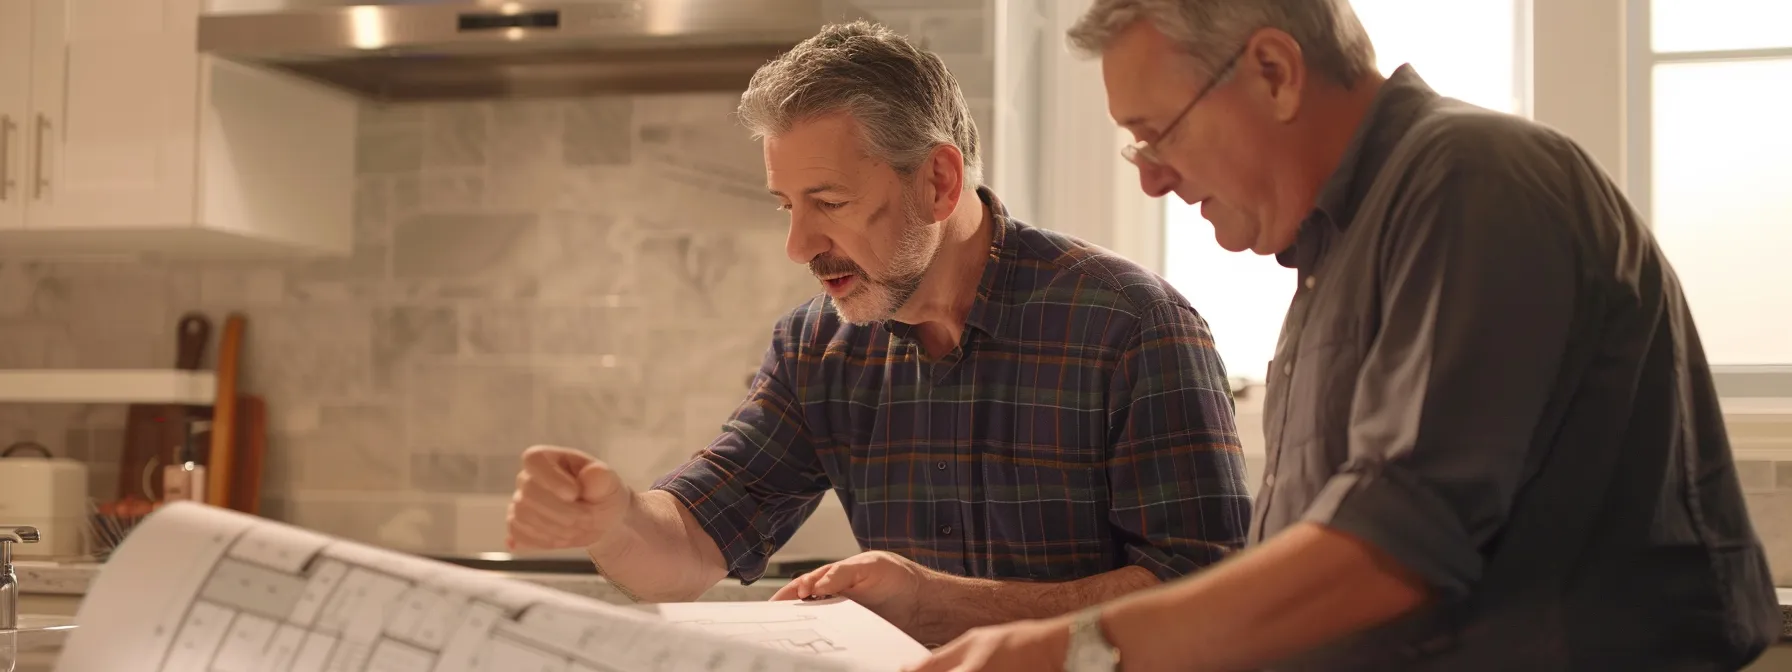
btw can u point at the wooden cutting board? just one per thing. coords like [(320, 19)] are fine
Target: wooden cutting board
[(154, 433)]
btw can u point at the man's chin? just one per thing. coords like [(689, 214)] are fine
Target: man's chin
[(1235, 239), (856, 309)]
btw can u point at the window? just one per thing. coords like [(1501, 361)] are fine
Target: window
[(1710, 158), (1466, 49)]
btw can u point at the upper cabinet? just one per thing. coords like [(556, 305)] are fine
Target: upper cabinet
[(15, 107), (118, 136)]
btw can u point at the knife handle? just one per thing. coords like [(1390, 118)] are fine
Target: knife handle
[(194, 332)]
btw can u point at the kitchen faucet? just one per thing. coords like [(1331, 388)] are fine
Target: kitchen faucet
[(9, 581)]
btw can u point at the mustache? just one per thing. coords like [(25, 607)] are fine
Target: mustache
[(825, 266)]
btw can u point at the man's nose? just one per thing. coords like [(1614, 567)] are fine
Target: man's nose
[(805, 241), (1156, 180)]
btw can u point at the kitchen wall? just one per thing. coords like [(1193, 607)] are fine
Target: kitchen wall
[(600, 273)]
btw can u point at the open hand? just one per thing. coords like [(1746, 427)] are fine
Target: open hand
[(564, 499), (888, 584), (1022, 646)]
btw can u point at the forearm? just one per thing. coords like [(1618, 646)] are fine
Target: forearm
[(660, 554), (1306, 587), (951, 605)]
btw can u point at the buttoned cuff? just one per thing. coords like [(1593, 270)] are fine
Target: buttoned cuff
[(745, 547), (1394, 510)]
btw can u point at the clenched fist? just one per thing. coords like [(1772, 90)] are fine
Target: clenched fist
[(564, 499)]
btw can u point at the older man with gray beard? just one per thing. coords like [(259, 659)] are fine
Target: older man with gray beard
[(1493, 439), (1018, 423)]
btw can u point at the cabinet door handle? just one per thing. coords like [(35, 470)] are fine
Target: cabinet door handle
[(6, 181), (43, 147)]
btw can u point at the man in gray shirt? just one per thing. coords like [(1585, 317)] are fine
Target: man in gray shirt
[(1493, 441)]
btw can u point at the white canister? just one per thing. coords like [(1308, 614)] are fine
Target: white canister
[(50, 494)]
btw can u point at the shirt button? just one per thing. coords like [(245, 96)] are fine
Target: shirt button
[(1287, 369), (1309, 282), (946, 530), (940, 465)]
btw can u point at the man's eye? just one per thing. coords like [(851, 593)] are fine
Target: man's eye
[(829, 205), (783, 206)]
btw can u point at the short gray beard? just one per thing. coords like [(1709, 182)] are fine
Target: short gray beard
[(910, 262)]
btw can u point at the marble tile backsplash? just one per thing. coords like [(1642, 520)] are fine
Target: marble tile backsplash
[(1764, 465)]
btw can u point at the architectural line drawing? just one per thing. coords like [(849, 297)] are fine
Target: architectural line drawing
[(202, 588)]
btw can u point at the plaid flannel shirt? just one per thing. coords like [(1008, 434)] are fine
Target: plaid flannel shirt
[(1084, 424)]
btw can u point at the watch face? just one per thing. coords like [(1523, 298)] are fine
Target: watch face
[(1089, 652), (1091, 657)]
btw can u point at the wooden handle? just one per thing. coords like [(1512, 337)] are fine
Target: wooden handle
[(221, 464), (195, 330)]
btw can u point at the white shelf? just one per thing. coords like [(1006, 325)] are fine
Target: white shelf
[(108, 386)]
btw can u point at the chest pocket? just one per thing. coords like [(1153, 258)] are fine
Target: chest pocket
[(1319, 372)]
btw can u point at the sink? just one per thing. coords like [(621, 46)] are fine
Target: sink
[(33, 646)]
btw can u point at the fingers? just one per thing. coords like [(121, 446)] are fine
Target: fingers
[(552, 513), (538, 520), (598, 483), (526, 535), (803, 586), (555, 469), (788, 592), (839, 579), (563, 499)]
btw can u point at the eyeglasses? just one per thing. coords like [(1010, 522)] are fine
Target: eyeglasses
[(1142, 152)]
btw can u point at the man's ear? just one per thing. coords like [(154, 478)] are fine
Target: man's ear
[(1275, 62), (943, 175)]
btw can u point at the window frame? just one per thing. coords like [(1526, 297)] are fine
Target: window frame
[(1764, 388)]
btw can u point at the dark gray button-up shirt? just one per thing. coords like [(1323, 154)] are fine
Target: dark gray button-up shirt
[(1489, 372)]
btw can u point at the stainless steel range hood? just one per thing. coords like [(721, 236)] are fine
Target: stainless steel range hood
[(447, 49)]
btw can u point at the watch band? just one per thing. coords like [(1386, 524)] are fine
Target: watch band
[(1089, 649)]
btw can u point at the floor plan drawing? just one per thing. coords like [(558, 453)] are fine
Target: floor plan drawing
[(798, 641), (783, 633), (828, 629), (213, 590)]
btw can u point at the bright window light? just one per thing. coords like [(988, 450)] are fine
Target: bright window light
[(1719, 25), (1722, 160)]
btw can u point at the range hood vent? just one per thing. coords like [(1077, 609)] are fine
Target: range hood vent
[(402, 50)]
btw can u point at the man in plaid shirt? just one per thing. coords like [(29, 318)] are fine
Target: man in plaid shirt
[(1019, 424)]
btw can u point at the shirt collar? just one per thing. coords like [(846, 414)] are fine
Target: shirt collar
[(1395, 108), (990, 309)]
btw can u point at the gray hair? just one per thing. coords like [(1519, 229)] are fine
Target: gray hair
[(905, 101), (1330, 36)]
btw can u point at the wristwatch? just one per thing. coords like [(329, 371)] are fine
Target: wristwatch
[(1089, 648)]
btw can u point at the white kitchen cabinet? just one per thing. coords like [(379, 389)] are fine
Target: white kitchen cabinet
[(128, 140), (15, 107)]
